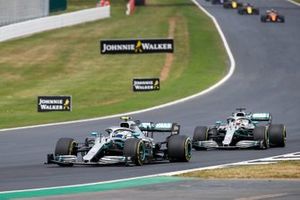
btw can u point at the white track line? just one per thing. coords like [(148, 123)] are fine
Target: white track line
[(218, 84), (249, 162), (294, 2)]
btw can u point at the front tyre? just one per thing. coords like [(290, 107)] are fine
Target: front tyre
[(65, 146), (263, 18), (179, 148), (277, 134), (241, 11), (200, 133), (135, 149), (260, 133)]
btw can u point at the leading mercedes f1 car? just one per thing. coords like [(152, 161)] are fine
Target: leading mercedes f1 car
[(233, 4), (130, 143), (248, 9), (241, 130), (272, 16)]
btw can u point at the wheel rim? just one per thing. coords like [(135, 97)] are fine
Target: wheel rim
[(266, 139), (188, 149), (141, 153), (284, 136), (72, 147)]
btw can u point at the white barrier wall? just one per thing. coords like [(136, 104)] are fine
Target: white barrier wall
[(53, 22)]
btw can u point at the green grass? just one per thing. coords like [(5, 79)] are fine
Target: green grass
[(297, 1), (280, 170), (67, 62)]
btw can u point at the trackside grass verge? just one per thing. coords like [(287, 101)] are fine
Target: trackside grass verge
[(67, 61), (280, 170)]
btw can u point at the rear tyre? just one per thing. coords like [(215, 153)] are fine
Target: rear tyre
[(263, 18), (214, 1), (241, 11), (256, 11), (65, 146), (225, 5), (277, 134), (135, 149), (260, 133), (179, 148)]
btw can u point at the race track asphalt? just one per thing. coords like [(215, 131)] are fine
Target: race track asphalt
[(197, 189), (266, 80)]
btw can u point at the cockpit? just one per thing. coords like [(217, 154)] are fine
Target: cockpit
[(119, 133), (242, 121)]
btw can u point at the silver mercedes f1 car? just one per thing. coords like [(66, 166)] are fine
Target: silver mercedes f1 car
[(130, 143), (241, 130)]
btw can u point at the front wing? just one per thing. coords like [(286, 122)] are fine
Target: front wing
[(70, 160), (243, 144)]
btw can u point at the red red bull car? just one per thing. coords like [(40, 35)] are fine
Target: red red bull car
[(232, 4), (272, 16)]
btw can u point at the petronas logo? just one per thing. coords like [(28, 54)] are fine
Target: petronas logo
[(138, 47)]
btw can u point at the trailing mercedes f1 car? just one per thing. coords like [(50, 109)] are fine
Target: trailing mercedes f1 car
[(130, 143), (241, 130), (232, 4), (272, 16), (248, 9)]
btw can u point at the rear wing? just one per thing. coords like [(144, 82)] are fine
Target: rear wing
[(150, 127), (260, 117), (173, 128)]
